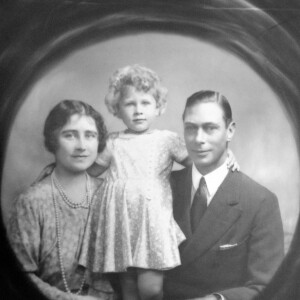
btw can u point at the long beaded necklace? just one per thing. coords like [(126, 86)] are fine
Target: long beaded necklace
[(58, 230), (85, 203)]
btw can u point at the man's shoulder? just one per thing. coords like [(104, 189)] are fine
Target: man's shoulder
[(237, 180), (179, 174), (247, 182), (249, 189)]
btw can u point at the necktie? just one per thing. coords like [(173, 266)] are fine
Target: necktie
[(199, 204)]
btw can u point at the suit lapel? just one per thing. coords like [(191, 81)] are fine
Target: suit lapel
[(222, 212)]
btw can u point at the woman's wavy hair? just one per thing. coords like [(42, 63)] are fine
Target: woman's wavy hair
[(142, 79), (61, 114)]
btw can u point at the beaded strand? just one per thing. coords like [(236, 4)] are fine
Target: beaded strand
[(58, 231), (85, 203)]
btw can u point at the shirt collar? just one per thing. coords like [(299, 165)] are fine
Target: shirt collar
[(213, 179)]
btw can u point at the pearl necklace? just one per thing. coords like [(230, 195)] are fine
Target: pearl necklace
[(58, 232), (85, 203)]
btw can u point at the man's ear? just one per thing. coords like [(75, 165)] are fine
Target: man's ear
[(230, 131)]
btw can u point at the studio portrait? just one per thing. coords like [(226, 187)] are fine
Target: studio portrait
[(150, 151)]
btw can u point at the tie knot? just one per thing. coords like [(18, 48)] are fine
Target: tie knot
[(202, 182), (202, 186)]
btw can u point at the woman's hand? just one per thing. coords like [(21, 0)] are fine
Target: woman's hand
[(231, 162)]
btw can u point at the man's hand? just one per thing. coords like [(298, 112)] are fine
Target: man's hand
[(86, 297), (232, 163), (89, 297), (208, 297)]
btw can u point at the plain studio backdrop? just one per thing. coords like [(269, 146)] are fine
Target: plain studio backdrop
[(263, 144)]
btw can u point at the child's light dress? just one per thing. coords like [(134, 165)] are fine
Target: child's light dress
[(132, 222)]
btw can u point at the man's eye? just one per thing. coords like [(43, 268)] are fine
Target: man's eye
[(190, 128), (92, 135), (210, 128)]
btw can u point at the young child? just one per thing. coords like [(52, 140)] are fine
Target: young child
[(132, 230)]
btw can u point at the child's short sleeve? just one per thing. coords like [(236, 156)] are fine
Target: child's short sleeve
[(104, 158), (177, 148)]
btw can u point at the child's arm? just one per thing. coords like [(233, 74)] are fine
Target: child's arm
[(96, 170), (103, 160), (178, 149)]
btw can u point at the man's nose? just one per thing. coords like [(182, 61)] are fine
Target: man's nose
[(200, 136)]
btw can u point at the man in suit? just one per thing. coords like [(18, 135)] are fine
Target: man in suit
[(234, 241)]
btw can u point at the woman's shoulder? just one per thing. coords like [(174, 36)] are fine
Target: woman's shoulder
[(35, 195), (38, 188)]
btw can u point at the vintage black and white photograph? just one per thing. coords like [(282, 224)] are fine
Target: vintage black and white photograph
[(150, 150)]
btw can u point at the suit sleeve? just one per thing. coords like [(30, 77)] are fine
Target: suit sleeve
[(266, 251)]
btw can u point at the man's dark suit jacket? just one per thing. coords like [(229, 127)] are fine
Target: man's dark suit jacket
[(237, 246)]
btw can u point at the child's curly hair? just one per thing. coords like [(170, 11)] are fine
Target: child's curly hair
[(141, 78)]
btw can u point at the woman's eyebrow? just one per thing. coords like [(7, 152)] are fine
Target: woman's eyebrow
[(91, 131), (69, 130)]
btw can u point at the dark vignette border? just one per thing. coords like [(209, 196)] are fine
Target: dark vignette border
[(35, 35)]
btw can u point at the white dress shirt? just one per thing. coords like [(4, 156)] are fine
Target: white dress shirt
[(213, 180)]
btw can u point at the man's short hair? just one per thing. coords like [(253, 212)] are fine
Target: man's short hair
[(206, 96)]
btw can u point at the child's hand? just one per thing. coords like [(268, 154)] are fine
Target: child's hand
[(231, 162)]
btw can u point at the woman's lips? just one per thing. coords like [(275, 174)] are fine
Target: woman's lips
[(80, 156)]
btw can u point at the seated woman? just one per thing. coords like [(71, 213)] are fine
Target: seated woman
[(48, 220)]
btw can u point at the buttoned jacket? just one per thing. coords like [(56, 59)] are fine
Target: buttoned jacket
[(237, 246)]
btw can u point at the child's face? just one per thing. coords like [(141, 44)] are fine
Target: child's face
[(137, 109)]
